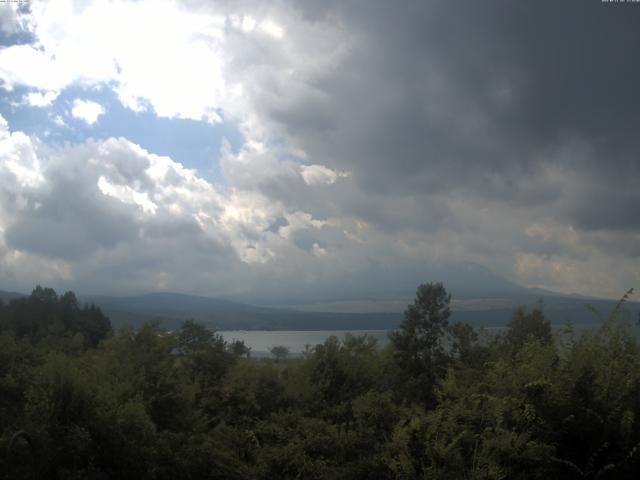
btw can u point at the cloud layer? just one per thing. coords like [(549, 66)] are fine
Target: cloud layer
[(379, 143)]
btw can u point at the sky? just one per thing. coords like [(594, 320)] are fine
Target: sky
[(317, 151)]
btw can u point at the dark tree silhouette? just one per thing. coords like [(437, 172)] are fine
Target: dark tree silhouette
[(418, 343)]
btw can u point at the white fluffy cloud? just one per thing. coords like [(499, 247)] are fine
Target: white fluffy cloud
[(40, 99), (87, 111), (103, 211), (174, 59)]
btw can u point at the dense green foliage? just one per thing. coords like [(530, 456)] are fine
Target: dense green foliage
[(441, 401)]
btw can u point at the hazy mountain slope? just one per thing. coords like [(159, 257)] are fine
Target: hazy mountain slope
[(493, 310), (8, 296), (171, 309), (385, 283)]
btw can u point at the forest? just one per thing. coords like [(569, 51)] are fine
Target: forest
[(79, 400)]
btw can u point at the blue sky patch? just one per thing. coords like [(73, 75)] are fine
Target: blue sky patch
[(195, 144)]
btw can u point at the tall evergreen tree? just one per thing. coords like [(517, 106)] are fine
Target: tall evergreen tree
[(419, 350)]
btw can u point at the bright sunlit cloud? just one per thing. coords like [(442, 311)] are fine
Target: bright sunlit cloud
[(87, 111), (272, 28), (38, 99), (319, 174)]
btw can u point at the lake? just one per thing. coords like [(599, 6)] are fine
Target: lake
[(260, 341)]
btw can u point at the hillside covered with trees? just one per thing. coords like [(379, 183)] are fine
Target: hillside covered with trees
[(79, 400)]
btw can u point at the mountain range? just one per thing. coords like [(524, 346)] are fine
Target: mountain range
[(171, 309)]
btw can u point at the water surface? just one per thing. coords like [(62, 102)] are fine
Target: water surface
[(260, 341)]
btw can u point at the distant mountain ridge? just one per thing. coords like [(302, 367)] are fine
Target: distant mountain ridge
[(6, 297), (464, 280), (171, 309)]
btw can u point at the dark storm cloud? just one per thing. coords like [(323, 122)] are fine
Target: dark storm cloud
[(70, 220), (611, 209), (171, 226), (479, 97)]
